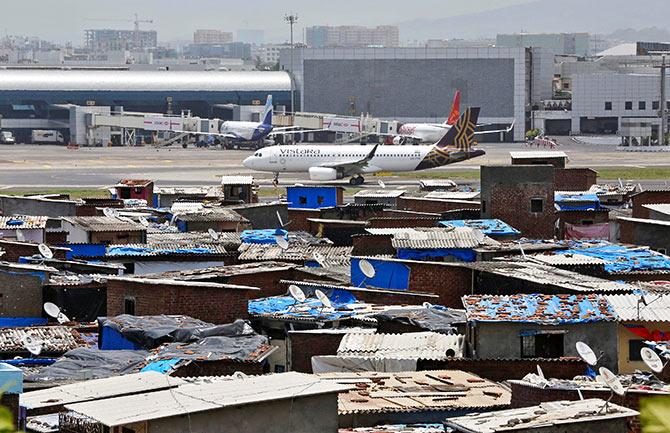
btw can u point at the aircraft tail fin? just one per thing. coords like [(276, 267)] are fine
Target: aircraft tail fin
[(462, 135), (455, 109), (267, 112)]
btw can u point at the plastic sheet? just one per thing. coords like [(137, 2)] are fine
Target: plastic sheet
[(464, 255), (490, 227), (240, 347), (620, 258), (577, 201), (86, 363), (146, 251), (436, 318), (287, 306), (262, 236), (389, 275)]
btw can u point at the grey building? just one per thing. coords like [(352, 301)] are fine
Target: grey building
[(557, 43), (418, 84)]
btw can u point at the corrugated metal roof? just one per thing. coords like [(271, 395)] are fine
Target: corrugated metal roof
[(104, 224), (417, 391), (146, 250), (380, 193), (193, 398), (229, 240), (547, 309), (646, 221), (454, 195), (663, 208), (415, 345), (648, 307), (459, 237), (98, 389), (332, 255), (555, 414), (211, 214), (567, 259), (22, 222), (138, 81), (237, 180), (54, 339)]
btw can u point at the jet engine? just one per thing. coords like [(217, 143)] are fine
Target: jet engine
[(398, 140), (323, 173)]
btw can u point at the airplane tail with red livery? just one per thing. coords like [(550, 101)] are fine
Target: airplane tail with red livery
[(455, 109)]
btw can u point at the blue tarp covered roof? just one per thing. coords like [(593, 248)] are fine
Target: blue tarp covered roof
[(487, 226), (576, 201), (620, 258), (262, 236), (149, 251), (537, 308), (312, 308)]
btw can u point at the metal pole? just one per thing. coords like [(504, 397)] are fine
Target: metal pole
[(292, 19)]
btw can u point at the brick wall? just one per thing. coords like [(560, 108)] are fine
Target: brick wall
[(627, 232), (216, 305), (574, 179), (499, 370), (298, 218), (372, 245), (302, 346), (434, 206), (56, 237), (450, 283), (648, 197), (269, 282), (512, 204), (14, 250), (524, 396), (402, 222)]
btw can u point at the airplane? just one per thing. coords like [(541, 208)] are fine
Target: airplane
[(332, 162), (254, 132), (418, 133)]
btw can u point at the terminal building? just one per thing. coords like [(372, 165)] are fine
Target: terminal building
[(418, 84)]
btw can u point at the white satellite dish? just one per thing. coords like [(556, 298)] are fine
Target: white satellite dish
[(45, 251), (144, 221), (240, 376), (367, 268), (32, 344), (213, 234), (282, 242), (586, 353), (381, 183), (612, 381), (53, 311), (110, 213), (652, 359), (20, 236), (296, 293), (320, 259), (540, 372), (323, 299), (427, 305)]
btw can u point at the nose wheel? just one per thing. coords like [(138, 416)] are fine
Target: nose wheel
[(357, 180), (275, 180)]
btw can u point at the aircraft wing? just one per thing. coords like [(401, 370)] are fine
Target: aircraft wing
[(283, 131), (216, 134), (508, 129), (352, 166)]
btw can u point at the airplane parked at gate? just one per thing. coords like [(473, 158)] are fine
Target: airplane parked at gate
[(331, 162), (417, 133)]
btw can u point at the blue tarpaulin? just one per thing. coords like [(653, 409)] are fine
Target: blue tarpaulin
[(21, 322), (490, 227), (84, 250), (311, 308), (147, 251), (162, 366), (620, 258), (576, 201), (464, 255), (262, 236), (111, 339), (389, 275)]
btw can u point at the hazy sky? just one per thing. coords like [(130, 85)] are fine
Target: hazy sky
[(64, 20)]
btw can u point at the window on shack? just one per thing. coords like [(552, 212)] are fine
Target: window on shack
[(634, 347), (129, 306), (536, 205), (302, 199), (542, 345)]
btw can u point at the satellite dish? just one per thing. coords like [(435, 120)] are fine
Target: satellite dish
[(282, 242), (427, 305), (381, 183), (20, 236), (320, 259), (32, 344), (367, 268), (540, 372), (239, 375), (612, 381), (144, 221), (323, 299), (110, 213), (297, 293), (53, 311), (652, 359), (213, 234), (586, 353), (45, 251)]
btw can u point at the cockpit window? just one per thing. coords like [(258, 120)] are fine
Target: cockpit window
[(260, 155)]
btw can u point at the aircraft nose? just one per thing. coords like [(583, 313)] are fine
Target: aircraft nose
[(248, 162)]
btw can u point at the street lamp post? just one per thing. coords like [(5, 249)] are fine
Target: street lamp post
[(292, 18)]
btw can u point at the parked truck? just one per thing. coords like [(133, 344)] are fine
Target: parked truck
[(47, 136), (7, 137)]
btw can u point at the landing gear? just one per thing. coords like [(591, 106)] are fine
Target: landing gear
[(275, 180), (357, 180)]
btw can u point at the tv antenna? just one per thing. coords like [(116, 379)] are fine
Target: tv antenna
[(281, 222), (45, 251), (367, 269), (52, 310), (32, 344), (213, 234)]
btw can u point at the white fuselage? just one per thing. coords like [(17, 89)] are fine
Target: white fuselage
[(249, 131), (424, 132), (300, 158)]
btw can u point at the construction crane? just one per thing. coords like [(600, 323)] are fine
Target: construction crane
[(137, 21)]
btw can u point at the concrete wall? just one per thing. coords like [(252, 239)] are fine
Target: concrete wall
[(14, 205), (314, 414), (502, 340)]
